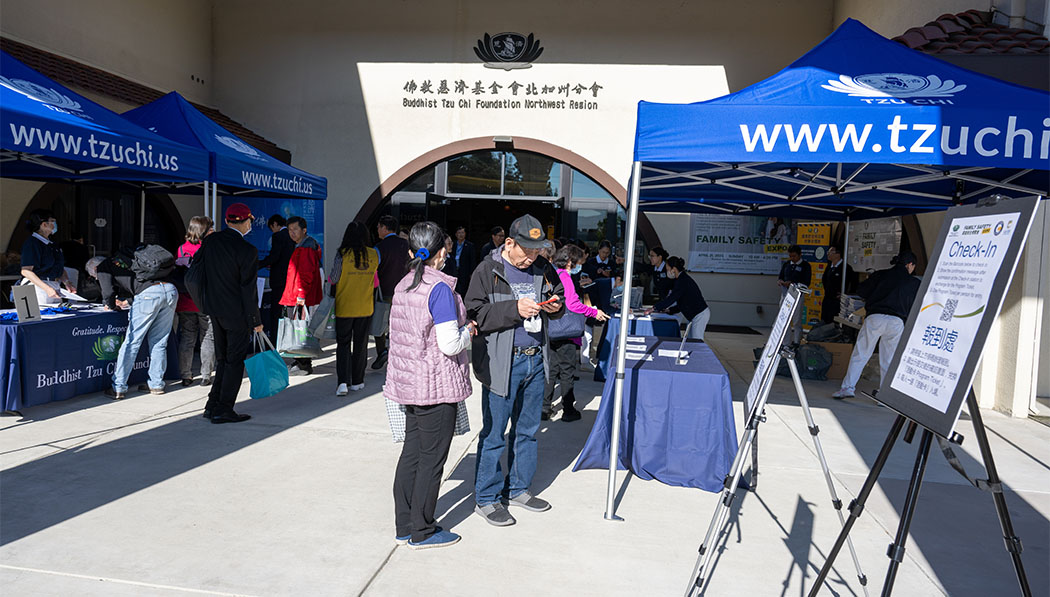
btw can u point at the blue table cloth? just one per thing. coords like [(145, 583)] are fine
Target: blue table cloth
[(677, 421), (57, 359), (656, 326)]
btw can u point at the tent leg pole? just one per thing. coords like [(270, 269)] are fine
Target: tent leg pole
[(142, 215), (207, 199), (845, 264), (621, 357)]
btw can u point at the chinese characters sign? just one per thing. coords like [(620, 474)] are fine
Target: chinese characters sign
[(953, 307), (479, 94)]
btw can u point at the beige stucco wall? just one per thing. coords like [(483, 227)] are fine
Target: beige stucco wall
[(160, 43)]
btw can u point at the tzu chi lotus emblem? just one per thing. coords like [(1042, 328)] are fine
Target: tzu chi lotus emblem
[(508, 50)]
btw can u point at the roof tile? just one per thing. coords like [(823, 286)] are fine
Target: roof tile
[(972, 32)]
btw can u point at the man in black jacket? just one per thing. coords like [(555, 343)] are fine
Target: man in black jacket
[(888, 296), (510, 297), (794, 271), (281, 248), (231, 298), (465, 260), (832, 283), (393, 265)]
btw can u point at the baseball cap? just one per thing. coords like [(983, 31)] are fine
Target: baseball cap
[(527, 232), (238, 212)]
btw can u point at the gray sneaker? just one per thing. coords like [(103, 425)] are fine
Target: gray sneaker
[(529, 502), (495, 514)]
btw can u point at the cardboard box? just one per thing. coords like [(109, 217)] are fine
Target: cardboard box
[(840, 354)]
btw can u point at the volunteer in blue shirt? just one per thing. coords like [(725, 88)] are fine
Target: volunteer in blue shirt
[(42, 262), (685, 297)]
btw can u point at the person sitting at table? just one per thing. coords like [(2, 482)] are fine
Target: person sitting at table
[(43, 264), (567, 262), (685, 297), (116, 282)]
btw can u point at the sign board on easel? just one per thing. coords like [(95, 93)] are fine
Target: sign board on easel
[(960, 297), (26, 305), (773, 345)]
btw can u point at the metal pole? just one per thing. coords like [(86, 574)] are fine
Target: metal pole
[(215, 202), (621, 356), (845, 264), (207, 199), (142, 215), (896, 549)]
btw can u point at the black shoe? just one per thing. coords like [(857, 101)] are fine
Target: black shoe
[(145, 388), (380, 360), (187, 381), (545, 416), (207, 413), (114, 394), (570, 414), (229, 417), (206, 381)]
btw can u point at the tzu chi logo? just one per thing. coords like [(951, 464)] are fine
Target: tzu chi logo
[(237, 144), (41, 94), (508, 50), (894, 86)]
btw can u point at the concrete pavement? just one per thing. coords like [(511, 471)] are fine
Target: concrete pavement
[(144, 497)]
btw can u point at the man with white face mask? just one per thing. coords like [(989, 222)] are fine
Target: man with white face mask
[(43, 264)]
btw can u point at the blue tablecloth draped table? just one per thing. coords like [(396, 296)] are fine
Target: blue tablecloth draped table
[(677, 420), (663, 326), (57, 359)]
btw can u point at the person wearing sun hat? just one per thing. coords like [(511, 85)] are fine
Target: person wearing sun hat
[(511, 296), (231, 299)]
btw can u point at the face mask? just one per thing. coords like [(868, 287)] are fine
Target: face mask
[(576, 269), (54, 228)]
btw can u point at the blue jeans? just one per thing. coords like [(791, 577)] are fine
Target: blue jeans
[(522, 408), (152, 313)]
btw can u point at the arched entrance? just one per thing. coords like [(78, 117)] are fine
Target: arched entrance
[(487, 181)]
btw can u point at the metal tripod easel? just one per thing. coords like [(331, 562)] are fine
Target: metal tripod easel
[(748, 443)]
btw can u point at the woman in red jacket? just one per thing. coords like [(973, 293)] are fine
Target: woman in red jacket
[(304, 284)]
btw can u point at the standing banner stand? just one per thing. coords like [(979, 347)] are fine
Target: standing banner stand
[(933, 369), (755, 403)]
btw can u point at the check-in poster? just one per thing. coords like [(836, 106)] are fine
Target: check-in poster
[(738, 244), (951, 311)]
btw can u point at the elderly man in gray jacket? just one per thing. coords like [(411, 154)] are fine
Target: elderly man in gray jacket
[(511, 295)]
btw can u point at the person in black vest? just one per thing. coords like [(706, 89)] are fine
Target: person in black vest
[(832, 283), (794, 271), (393, 265), (465, 259), (685, 297), (888, 297), (43, 264), (231, 298), (281, 248), (498, 237), (657, 270)]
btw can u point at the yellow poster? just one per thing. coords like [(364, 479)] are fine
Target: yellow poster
[(813, 233)]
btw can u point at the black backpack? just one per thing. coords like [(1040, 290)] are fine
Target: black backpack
[(152, 262)]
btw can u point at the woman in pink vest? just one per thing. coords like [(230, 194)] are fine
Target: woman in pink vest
[(193, 324), (429, 373)]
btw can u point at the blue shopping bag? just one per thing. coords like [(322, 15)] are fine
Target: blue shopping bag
[(266, 371)]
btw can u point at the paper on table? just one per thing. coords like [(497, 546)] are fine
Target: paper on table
[(638, 356), (636, 339), (673, 354), (71, 295)]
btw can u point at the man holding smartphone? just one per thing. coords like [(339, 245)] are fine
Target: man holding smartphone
[(511, 297)]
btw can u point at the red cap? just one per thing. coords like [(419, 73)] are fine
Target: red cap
[(238, 212)]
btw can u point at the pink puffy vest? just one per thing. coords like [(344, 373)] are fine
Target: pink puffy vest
[(417, 372)]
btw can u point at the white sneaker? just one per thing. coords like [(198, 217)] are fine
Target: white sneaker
[(842, 393), (357, 386), (295, 370), (341, 390)]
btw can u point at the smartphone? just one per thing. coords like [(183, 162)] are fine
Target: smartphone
[(548, 301)]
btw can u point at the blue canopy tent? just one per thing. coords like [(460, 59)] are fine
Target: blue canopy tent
[(858, 127), (51, 133), (237, 167)]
